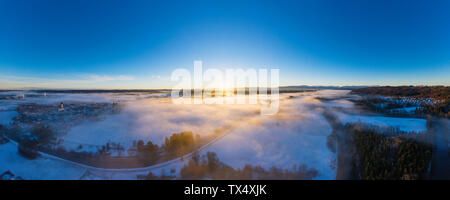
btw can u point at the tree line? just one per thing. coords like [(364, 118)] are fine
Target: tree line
[(390, 156)]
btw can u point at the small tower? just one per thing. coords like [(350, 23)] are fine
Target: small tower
[(61, 107)]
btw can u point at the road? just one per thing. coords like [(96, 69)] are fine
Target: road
[(106, 172)]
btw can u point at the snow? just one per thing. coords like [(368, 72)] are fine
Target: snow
[(296, 135), (6, 117), (280, 144), (40, 168), (405, 124), (7, 106), (155, 119), (405, 110)]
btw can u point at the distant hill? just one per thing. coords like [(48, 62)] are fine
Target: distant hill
[(436, 92), (324, 87)]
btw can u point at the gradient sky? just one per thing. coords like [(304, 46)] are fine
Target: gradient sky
[(137, 44)]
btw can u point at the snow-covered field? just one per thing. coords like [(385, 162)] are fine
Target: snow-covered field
[(295, 136), (6, 117), (7, 112), (153, 119), (404, 124), (40, 168), (280, 143), (405, 110)]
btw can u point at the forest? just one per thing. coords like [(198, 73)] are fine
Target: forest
[(435, 92), (390, 156)]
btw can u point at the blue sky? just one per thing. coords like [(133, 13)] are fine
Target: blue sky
[(137, 44)]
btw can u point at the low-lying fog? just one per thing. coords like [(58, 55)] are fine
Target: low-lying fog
[(296, 135)]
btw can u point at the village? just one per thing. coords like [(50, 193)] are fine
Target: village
[(63, 116)]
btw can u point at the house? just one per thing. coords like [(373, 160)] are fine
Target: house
[(61, 107), (3, 139), (8, 175)]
